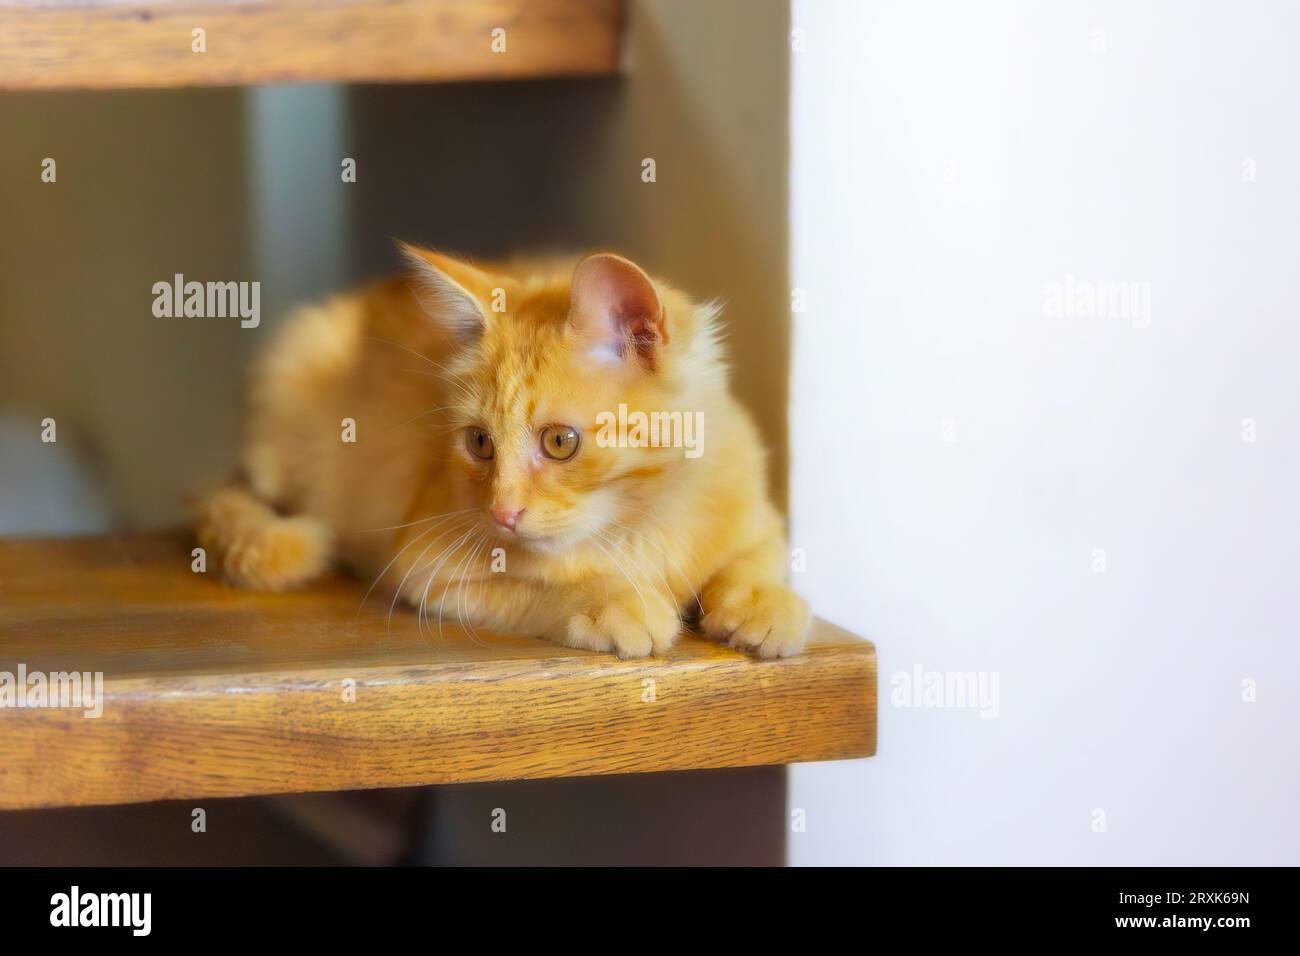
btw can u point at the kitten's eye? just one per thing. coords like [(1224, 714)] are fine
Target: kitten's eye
[(560, 442), (479, 443)]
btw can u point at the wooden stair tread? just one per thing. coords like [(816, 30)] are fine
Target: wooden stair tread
[(57, 44), (214, 691)]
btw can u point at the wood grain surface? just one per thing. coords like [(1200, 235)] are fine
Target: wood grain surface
[(212, 691), (100, 44)]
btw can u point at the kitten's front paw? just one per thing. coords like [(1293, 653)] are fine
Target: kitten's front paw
[(768, 620), (628, 624)]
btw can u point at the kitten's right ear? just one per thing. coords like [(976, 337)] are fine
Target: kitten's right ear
[(616, 307), (451, 291)]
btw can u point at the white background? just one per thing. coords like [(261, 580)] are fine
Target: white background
[(949, 161)]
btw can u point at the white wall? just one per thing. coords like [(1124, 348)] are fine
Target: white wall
[(950, 161)]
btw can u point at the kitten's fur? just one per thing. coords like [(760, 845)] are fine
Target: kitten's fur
[(611, 546)]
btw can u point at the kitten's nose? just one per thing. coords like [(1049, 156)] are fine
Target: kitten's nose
[(507, 516)]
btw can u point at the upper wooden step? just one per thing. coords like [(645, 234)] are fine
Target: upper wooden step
[(100, 44), (212, 691)]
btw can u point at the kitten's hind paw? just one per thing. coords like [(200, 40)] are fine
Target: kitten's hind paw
[(286, 553), (257, 548)]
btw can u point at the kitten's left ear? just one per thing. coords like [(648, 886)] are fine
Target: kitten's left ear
[(452, 291), (616, 308)]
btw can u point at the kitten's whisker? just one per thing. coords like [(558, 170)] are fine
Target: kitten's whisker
[(453, 528), (465, 389), (435, 566), (673, 566), (644, 606), (404, 348), (639, 564), (468, 626), (458, 576), (445, 368), (658, 572), (442, 559), (487, 573), (442, 601), (398, 592), (459, 535), (486, 551), (438, 519), (440, 408), (460, 582), (448, 378), (664, 528), (398, 527), (379, 577)]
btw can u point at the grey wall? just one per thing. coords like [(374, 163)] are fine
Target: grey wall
[(149, 184)]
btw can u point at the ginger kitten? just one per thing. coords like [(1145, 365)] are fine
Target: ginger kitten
[(484, 482)]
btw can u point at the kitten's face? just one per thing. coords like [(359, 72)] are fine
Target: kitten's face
[(531, 385)]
